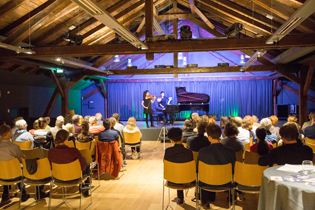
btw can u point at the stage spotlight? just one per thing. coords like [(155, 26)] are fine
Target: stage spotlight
[(184, 61), (185, 33), (129, 62), (233, 30), (116, 59), (242, 59), (73, 38), (180, 56)]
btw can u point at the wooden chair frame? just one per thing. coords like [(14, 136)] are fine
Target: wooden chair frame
[(33, 153), (134, 141), (86, 153), (251, 157)]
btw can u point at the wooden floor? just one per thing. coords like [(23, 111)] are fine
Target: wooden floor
[(140, 187)]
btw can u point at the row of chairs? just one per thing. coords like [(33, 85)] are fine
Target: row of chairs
[(216, 177), (61, 175)]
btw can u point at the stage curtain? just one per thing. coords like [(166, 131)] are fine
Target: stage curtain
[(237, 98)]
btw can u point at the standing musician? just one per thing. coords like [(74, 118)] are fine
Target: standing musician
[(146, 103), (165, 101)]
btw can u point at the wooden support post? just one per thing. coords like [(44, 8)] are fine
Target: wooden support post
[(65, 103), (274, 94), (302, 99), (175, 30), (51, 103), (149, 24)]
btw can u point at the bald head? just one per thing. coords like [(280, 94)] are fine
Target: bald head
[(238, 121)]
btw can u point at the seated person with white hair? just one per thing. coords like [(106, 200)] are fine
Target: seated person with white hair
[(58, 125), (243, 134), (266, 123), (70, 128), (21, 134), (99, 118), (95, 128), (194, 117)]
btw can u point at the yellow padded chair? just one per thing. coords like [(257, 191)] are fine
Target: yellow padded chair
[(32, 153), (41, 177), (215, 175), (251, 157), (179, 173), (63, 176), (11, 173), (185, 145), (239, 156), (70, 144), (132, 140), (45, 152), (24, 145), (195, 156), (83, 145), (86, 153), (274, 145), (246, 148), (311, 146), (308, 140), (248, 175)]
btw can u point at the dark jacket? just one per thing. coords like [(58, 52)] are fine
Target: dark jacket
[(108, 135), (178, 154), (233, 143), (187, 134), (309, 132), (195, 143)]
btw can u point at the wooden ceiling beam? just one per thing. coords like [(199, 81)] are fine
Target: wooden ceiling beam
[(194, 45), (149, 24), (309, 78), (14, 67), (45, 16), (10, 6), (203, 17), (192, 6), (9, 29), (29, 70), (190, 70)]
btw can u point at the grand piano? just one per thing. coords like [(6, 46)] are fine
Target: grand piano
[(188, 102)]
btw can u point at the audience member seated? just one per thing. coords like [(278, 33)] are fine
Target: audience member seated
[(215, 154), (291, 152), (273, 129), (87, 118), (231, 140), (131, 127), (63, 154), (21, 134), (195, 143), (255, 118), (247, 125), (94, 127), (70, 128), (178, 154), (213, 116), (308, 123), (58, 126), (9, 151), (77, 128), (243, 134), (85, 136), (118, 126), (35, 127), (292, 118), (47, 119), (188, 130), (309, 132), (223, 121), (211, 120), (262, 147), (122, 146), (266, 124), (251, 122), (194, 117), (99, 118), (108, 135), (42, 136), (14, 128)]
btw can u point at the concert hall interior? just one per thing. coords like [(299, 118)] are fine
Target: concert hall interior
[(136, 90)]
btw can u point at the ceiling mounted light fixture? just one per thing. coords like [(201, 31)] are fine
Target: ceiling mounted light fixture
[(18, 49), (184, 61), (129, 62), (116, 59), (233, 30), (253, 59), (180, 56)]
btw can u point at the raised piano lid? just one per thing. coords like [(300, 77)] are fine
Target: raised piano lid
[(186, 97)]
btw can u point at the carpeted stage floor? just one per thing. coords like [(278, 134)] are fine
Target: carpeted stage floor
[(139, 188)]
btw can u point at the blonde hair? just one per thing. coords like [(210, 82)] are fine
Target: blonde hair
[(69, 127), (92, 120), (292, 119), (246, 124), (131, 123), (250, 119), (274, 119), (194, 116), (211, 121)]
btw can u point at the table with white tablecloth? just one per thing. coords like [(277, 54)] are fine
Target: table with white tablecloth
[(280, 195)]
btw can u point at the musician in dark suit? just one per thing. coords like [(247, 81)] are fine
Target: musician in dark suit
[(158, 110), (178, 154)]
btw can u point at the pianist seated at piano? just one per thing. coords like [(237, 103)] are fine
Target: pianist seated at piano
[(158, 110), (188, 130)]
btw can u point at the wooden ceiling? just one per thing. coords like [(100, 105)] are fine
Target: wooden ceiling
[(42, 23)]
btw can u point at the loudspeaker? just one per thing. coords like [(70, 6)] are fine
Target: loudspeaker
[(283, 111)]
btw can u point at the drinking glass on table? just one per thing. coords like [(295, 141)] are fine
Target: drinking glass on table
[(307, 166)]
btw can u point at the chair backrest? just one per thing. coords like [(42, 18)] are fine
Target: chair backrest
[(314, 158), (132, 138), (70, 144), (119, 140), (86, 153), (93, 147), (43, 169), (32, 153), (251, 157), (67, 172), (311, 146), (308, 140), (246, 148), (96, 138), (239, 156), (248, 174), (10, 169), (214, 174), (195, 156), (24, 145), (274, 145), (185, 145), (180, 172), (82, 145), (250, 141), (45, 152)]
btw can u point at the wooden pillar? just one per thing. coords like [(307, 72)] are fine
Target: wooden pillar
[(175, 29), (274, 94), (65, 103), (149, 24), (51, 103), (302, 99)]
